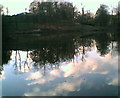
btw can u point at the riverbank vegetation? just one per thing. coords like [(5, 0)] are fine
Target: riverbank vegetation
[(60, 17)]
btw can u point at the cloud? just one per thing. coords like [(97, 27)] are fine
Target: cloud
[(41, 81), (114, 82), (69, 77), (32, 76), (58, 89), (55, 72)]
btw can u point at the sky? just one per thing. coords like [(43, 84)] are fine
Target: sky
[(18, 6)]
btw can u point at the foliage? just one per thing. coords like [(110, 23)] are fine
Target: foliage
[(85, 19), (52, 11), (102, 16), (56, 15)]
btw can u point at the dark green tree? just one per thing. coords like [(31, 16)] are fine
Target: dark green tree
[(51, 11), (102, 16)]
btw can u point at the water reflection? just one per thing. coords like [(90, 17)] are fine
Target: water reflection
[(53, 52), (5, 58), (78, 66), (102, 43), (78, 78)]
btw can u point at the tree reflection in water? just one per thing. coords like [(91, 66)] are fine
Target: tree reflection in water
[(50, 53), (19, 64), (102, 43), (5, 58), (83, 45), (65, 51), (53, 54)]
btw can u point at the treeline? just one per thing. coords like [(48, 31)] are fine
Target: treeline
[(57, 13)]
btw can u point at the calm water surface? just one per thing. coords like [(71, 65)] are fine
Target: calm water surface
[(71, 67)]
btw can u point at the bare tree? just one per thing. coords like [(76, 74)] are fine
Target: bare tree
[(1, 9)]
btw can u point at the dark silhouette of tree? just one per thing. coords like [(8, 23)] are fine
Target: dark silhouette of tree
[(33, 7), (102, 16), (118, 16), (85, 19), (52, 10)]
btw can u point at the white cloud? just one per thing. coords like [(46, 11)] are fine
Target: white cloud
[(32, 76), (58, 89)]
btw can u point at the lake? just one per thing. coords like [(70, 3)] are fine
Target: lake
[(67, 66)]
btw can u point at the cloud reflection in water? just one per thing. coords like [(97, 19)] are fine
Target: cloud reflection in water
[(95, 73)]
